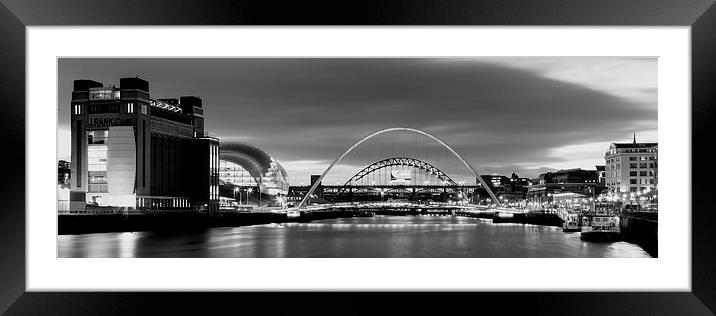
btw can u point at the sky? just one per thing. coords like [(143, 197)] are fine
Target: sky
[(503, 115)]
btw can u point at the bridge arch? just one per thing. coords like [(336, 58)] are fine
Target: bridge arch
[(401, 161), (392, 129)]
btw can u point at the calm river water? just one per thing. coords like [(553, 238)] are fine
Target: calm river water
[(374, 237)]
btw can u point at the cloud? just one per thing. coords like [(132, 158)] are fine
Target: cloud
[(501, 114), (633, 78)]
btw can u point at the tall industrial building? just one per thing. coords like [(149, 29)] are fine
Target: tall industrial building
[(129, 150), (631, 167)]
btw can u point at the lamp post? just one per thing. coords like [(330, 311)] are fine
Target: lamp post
[(261, 179), (236, 189)]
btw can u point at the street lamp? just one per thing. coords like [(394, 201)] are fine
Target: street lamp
[(236, 189)]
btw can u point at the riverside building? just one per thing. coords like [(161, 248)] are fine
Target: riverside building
[(130, 151), (631, 167), (551, 185)]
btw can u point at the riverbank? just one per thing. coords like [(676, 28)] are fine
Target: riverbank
[(641, 228), (87, 224), (90, 224)]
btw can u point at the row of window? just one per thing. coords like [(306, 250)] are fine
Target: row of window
[(107, 108), (641, 158), (642, 173), (651, 150), (213, 171), (641, 181), (235, 174), (634, 165), (635, 189), (641, 165), (156, 203)]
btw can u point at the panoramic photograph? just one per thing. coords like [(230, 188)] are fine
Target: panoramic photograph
[(451, 157)]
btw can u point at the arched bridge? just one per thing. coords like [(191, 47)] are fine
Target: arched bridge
[(401, 161)]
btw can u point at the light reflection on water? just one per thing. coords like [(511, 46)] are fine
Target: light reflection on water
[(372, 237)]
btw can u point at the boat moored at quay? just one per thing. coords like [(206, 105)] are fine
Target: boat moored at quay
[(601, 224)]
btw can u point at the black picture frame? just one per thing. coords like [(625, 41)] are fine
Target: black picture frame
[(15, 15)]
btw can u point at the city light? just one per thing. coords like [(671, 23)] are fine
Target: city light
[(563, 194)]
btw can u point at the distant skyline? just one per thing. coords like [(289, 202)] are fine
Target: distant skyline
[(504, 115)]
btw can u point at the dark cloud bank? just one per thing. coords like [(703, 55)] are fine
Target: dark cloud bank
[(501, 119)]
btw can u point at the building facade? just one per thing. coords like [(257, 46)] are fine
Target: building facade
[(631, 167), (129, 150), (542, 194), (247, 169)]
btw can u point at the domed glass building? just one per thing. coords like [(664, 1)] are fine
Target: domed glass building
[(243, 165)]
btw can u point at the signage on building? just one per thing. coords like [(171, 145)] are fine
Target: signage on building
[(400, 176), (95, 122)]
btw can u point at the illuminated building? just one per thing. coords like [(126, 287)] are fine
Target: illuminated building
[(551, 184), (244, 166), (132, 151), (63, 174), (631, 167), (495, 181)]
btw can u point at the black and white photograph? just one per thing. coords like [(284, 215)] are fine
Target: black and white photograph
[(430, 157), (391, 157)]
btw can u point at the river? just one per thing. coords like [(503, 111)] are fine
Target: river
[(358, 237)]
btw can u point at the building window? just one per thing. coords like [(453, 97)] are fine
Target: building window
[(642, 165), (651, 165), (78, 139), (144, 109), (130, 107), (632, 165), (77, 109), (632, 158), (632, 173), (642, 173), (632, 181), (104, 108), (97, 161), (97, 137)]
